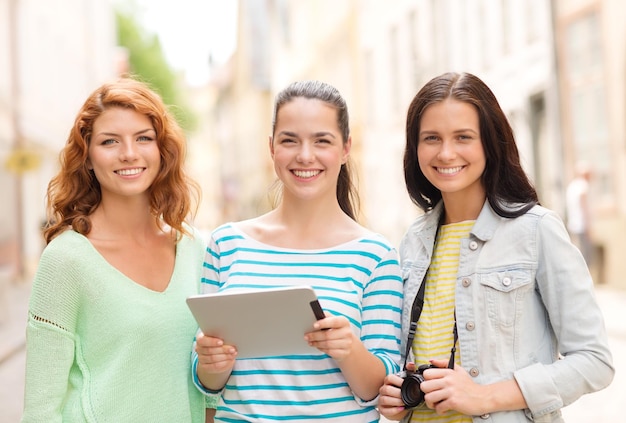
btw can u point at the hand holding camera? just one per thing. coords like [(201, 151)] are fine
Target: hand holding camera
[(410, 391), (402, 391)]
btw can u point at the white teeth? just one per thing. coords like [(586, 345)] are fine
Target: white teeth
[(128, 172), (449, 170), (306, 173)]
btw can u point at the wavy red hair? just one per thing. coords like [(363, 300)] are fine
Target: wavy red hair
[(74, 193)]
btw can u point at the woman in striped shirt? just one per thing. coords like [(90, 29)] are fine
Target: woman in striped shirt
[(310, 238)]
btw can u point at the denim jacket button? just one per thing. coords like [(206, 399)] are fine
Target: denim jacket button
[(485, 416), (474, 372), (506, 281), (470, 326), (473, 245), (466, 282)]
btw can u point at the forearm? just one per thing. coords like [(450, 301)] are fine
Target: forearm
[(213, 381), (363, 371), (502, 396)]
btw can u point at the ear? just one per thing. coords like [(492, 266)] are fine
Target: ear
[(88, 164), (271, 145), (346, 150)]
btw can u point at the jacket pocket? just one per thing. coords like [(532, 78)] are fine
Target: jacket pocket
[(505, 292)]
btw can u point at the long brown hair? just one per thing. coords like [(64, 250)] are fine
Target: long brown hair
[(509, 191), (347, 195), (74, 193)]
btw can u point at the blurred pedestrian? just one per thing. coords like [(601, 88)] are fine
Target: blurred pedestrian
[(109, 331), (499, 310), (578, 214), (311, 238)]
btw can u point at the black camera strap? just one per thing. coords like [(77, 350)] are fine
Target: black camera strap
[(455, 333), (416, 311)]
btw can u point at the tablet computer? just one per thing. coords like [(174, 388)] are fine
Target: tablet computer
[(260, 323)]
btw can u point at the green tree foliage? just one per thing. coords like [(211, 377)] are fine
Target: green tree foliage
[(147, 62)]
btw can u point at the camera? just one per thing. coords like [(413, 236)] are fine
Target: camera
[(410, 391)]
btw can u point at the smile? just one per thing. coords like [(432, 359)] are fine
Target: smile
[(129, 172), (306, 173), (449, 170)]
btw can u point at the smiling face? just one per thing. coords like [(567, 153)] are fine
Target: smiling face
[(123, 152), (450, 152), (308, 149)]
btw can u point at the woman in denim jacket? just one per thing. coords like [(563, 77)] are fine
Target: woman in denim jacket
[(500, 273)]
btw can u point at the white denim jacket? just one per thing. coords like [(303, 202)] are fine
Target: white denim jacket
[(525, 309)]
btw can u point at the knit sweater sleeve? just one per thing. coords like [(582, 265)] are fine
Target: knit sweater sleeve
[(50, 333)]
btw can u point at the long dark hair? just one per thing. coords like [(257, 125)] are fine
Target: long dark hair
[(346, 191), (509, 191)]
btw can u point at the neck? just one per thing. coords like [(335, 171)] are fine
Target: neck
[(459, 209), (311, 217), (125, 218)]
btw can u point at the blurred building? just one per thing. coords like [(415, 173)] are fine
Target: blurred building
[(556, 66), (591, 45), (52, 55), (204, 159)]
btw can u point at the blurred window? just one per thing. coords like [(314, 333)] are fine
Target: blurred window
[(395, 77), (585, 70)]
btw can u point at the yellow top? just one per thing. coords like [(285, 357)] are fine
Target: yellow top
[(434, 336)]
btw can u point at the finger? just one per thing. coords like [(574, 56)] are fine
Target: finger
[(209, 341), (218, 367), (322, 325), (393, 381), (332, 322), (439, 363), (216, 359), (391, 410), (390, 406), (227, 351), (389, 392), (441, 407), (332, 344), (329, 335)]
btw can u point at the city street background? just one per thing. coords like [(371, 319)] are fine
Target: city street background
[(600, 407), (557, 68)]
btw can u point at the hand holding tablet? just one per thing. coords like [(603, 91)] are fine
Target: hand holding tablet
[(260, 323)]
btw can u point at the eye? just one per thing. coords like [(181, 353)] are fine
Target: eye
[(108, 141), (430, 139), (324, 141), (286, 140), (145, 138)]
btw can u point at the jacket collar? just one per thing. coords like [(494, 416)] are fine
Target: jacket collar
[(483, 229)]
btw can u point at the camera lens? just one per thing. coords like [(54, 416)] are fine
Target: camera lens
[(410, 391)]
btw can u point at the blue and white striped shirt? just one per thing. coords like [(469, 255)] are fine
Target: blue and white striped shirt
[(360, 280)]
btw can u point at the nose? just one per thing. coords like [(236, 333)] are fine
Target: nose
[(447, 150), (128, 151), (305, 153)]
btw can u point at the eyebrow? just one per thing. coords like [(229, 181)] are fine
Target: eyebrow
[(458, 131), (112, 134), (315, 134)]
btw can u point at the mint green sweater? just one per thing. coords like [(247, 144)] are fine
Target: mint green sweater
[(102, 348)]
